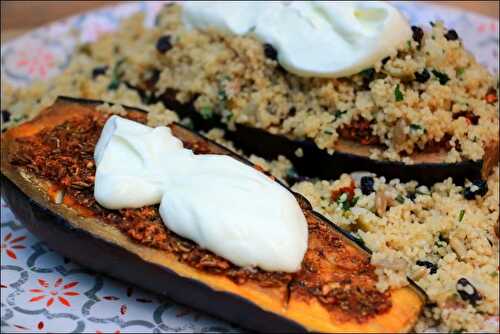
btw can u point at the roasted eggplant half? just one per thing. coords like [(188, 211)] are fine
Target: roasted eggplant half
[(47, 180), (428, 167)]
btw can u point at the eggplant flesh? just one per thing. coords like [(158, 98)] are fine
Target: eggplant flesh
[(349, 156), (110, 251)]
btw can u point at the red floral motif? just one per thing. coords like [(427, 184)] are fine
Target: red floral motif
[(100, 332), (58, 292), (10, 245), (39, 327), (485, 27), (123, 307), (37, 61)]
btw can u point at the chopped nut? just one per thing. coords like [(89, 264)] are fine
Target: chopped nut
[(381, 201)]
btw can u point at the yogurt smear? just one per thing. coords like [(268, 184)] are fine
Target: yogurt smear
[(313, 38), (218, 202)]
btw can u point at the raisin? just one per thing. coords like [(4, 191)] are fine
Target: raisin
[(270, 52), (451, 35), (478, 187), (97, 71), (442, 77), (418, 34), (367, 183), (467, 291), (5, 116), (423, 76), (163, 44), (429, 265)]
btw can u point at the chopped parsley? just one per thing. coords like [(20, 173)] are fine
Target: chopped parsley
[(116, 76), (398, 95), (339, 113), (416, 127), (461, 215), (222, 95), (206, 112), (442, 77), (400, 199), (420, 192), (408, 44), (494, 274), (460, 71), (345, 203)]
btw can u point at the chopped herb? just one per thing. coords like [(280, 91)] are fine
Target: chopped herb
[(460, 71), (416, 127), (116, 75), (339, 113), (420, 192), (457, 331), (408, 44), (328, 132), (222, 95), (206, 112), (400, 199), (345, 203), (461, 215), (442, 77), (398, 95), (494, 274)]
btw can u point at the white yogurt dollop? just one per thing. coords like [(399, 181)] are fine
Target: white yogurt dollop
[(313, 38), (218, 202)]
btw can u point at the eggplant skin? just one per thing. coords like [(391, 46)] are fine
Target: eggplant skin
[(317, 163), (103, 248), (105, 257)]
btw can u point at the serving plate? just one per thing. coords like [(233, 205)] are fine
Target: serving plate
[(44, 292)]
